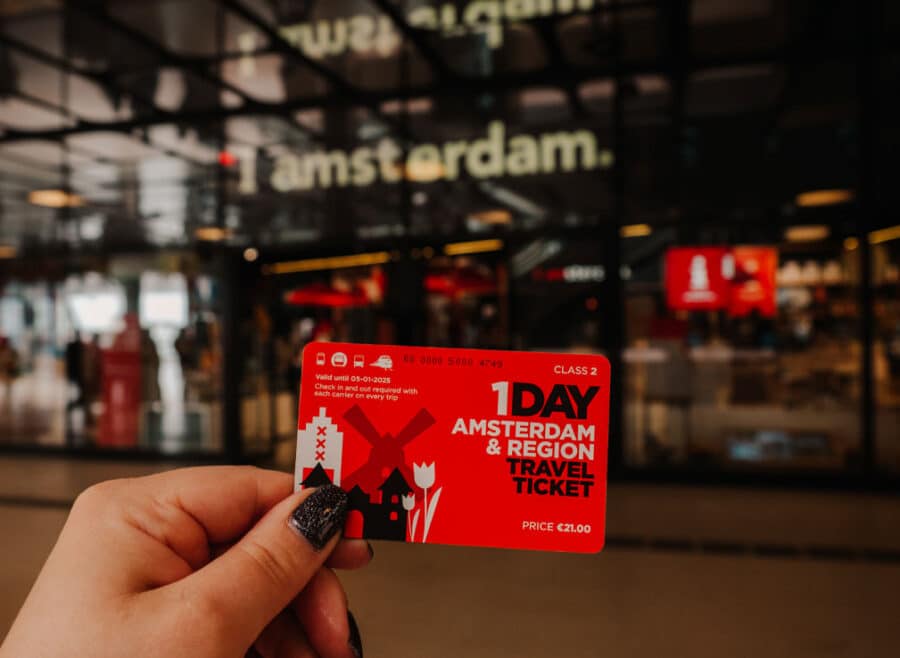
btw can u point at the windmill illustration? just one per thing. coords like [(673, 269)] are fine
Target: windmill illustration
[(387, 449)]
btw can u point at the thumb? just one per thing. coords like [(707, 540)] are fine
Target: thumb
[(258, 577)]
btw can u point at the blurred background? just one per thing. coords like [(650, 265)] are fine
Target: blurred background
[(701, 190)]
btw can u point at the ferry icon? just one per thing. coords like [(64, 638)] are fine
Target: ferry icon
[(383, 361)]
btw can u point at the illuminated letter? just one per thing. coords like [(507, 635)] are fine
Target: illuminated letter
[(291, 34), (364, 171), (453, 151), (388, 152), (387, 40), (247, 183), (424, 18), (523, 159), (286, 174), (424, 164), (362, 33), (569, 145), (330, 168), (520, 10), (568, 6), (321, 42), (485, 158)]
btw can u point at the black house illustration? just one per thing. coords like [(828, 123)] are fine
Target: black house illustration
[(381, 514), (316, 478)]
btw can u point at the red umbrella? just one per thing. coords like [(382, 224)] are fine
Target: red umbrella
[(319, 294)]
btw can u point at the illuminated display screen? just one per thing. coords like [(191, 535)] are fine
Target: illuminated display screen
[(740, 280), (698, 278)]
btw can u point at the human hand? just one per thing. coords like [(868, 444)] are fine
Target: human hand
[(196, 563)]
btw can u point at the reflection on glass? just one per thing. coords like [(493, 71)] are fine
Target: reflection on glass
[(743, 356), (127, 358), (164, 311), (886, 348)]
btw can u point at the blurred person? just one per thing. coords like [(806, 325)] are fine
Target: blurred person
[(218, 562), (149, 368), (188, 349), (92, 377), (9, 369), (75, 375), (893, 351)]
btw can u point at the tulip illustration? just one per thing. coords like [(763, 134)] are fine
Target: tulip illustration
[(409, 502), (424, 477)]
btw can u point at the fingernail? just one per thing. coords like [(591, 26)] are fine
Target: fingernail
[(355, 642), (321, 516)]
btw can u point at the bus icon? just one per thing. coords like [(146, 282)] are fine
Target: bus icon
[(320, 359), (359, 361)]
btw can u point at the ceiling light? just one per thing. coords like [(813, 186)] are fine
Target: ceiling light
[(497, 216), (851, 243), (251, 254), (54, 199), (817, 198), (807, 233), (474, 247), (7, 251), (885, 235), (212, 234), (332, 263), (635, 231)]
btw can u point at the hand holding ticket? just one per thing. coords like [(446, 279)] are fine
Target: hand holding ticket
[(464, 447)]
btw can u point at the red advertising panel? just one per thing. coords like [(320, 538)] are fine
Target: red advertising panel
[(698, 278), (753, 286), (120, 422)]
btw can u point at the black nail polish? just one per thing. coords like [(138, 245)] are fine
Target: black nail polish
[(354, 641), (321, 516)]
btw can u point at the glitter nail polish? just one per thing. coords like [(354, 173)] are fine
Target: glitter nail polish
[(321, 516)]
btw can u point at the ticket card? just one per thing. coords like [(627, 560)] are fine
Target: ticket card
[(456, 446)]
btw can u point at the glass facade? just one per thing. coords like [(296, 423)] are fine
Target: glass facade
[(746, 353), (662, 183)]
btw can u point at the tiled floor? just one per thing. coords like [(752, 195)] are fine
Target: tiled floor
[(433, 601)]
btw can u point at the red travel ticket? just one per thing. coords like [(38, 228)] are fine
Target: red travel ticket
[(454, 446)]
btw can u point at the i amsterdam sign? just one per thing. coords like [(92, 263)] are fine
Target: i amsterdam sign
[(494, 155)]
